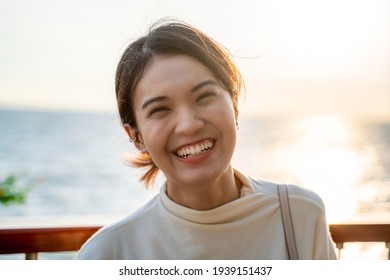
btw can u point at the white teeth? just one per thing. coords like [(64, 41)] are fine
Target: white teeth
[(195, 150)]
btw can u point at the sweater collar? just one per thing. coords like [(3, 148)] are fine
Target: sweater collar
[(222, 214)]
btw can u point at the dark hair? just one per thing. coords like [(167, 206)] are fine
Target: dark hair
[(169, 37)]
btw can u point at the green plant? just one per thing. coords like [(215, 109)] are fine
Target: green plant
[(10, 193)]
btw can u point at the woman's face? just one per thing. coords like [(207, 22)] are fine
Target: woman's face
[(185, 120)]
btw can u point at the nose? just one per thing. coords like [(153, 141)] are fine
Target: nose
[(188, 122)]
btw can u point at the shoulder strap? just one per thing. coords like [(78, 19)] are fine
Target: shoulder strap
[(287, 222)]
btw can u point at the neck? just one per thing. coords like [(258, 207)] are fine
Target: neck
[(206, 195)]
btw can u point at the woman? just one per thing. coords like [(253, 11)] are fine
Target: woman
[(177, 93)]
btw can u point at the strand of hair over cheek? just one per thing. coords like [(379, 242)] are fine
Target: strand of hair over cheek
[(144, 161)]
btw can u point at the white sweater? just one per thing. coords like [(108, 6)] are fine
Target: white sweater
[(247, 228)]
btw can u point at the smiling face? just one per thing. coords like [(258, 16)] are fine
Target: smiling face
[(185, 120)]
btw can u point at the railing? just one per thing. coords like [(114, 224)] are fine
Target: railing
[(31, 241), (343, 233)]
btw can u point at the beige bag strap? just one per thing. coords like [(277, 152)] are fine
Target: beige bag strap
[(287, 222)]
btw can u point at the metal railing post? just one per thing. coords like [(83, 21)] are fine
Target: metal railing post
[(339, 246), (32, 256)]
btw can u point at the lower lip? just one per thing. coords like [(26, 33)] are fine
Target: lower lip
[(197, 159)]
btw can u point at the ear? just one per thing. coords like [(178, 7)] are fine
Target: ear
[(135, 136)]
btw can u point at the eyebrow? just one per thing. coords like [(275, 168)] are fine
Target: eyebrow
[(152, 100), (162, 98), (203, 84)]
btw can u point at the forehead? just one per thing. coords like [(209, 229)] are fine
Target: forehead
[(170, 72)]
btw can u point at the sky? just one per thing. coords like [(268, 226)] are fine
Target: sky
[(297, 57)]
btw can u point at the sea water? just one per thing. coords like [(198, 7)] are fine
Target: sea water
[(73, 163)]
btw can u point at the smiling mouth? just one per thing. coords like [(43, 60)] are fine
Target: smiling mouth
[(195, 150)]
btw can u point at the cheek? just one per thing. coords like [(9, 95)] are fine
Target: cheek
[(224, 112), (155, 134)]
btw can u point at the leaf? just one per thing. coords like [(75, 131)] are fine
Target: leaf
[(9, 193)]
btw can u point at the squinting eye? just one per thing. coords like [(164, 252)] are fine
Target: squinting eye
[(158, 110), (205, 96)]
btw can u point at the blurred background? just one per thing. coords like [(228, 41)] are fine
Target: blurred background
[(316, 111)]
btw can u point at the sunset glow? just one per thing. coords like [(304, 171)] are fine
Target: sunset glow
[(323, 153)]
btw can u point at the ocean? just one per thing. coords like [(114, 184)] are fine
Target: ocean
[(73, 163)]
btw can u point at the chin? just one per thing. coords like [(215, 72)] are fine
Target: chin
[(200, 177)]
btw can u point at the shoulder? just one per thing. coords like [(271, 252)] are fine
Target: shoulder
[(102, 245), (297, 194), (306, 205)]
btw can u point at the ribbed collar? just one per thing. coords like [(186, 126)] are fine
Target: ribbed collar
[(223, 214)]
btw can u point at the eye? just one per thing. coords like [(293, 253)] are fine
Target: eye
[(157, 111), (207, 96)]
